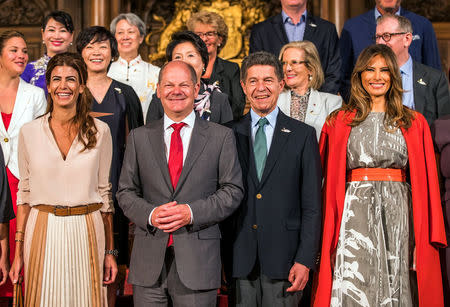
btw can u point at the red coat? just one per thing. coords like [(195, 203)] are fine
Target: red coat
[(427, 211)]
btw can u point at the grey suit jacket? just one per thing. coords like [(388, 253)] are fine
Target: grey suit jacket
[(431, 93), (210, 182)]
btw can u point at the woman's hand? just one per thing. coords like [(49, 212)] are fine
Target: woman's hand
[(14, 273), (4, 269), (110, 270)]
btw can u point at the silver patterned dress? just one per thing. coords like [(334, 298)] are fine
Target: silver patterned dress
[(373, 252)]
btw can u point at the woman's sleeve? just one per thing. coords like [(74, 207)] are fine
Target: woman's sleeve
[(41, 104), (105, 157), (23, 193)]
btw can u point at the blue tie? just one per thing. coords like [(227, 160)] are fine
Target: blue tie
[(260, 147)]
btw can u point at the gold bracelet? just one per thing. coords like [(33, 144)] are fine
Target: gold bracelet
[(19, 240), (20, 231)]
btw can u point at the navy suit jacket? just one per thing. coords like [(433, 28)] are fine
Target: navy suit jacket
[(279, 220), (270, 36), (431, 93), (358, 33)]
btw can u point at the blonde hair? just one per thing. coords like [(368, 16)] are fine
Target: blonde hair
[(211, 19), (312, 61)]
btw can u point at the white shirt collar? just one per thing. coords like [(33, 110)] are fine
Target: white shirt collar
[(271, 117), (135, 61), (188, 120)]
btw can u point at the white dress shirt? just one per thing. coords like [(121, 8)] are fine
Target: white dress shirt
[(185, 134), (140, 75)]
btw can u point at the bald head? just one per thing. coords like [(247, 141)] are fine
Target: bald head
[(187, 66), (177, 89)]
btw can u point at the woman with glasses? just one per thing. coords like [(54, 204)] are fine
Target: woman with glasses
[(213, 30), (303, 75)]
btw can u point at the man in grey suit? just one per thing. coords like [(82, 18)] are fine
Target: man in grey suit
[(425, 88), (180, 178)]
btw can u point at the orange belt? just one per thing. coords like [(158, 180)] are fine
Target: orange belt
[(67, 211), (376, 174)]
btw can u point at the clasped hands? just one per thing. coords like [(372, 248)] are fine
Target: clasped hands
[(171, 216)]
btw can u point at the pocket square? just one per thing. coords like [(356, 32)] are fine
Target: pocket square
[(285, 130), (420, 81)]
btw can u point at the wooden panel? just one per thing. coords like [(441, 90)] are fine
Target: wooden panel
[(442, 30)]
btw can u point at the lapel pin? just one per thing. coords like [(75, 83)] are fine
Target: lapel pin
[(313, 25), (420, 81), (285, 130), (118, 90)]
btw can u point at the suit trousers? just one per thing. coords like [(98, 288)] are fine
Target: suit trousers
[(258, 290), (169, 288)]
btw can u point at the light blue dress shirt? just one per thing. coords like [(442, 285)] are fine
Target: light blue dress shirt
[(378, 14), (268, 129), (406, 71), (295, 32)]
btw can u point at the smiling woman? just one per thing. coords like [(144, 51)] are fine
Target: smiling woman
[(57, 35), (64, 214), (20, 103), (129, 30), (117, 105), (380, 181)]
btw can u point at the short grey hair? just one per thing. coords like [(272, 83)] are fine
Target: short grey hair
[(404, 24), (132, 19), (261, 58)]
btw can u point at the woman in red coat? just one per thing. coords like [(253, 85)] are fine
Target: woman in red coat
[(383, 220)]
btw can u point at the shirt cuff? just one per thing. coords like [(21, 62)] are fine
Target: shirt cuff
[(150, 218)]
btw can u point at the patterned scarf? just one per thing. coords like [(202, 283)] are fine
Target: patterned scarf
[(202, 103)]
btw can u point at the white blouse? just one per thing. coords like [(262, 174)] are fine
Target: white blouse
[(46, 178), (140, 75)]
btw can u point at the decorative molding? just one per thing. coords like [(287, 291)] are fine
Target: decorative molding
[(15, 12)]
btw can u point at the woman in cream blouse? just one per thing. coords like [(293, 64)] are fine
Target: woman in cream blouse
[(64, 219), (303, 75)]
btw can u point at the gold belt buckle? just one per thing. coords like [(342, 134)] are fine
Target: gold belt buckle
[(61, 208)]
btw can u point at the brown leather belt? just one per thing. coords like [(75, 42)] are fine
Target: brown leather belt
[(376, 174), (67, 211)]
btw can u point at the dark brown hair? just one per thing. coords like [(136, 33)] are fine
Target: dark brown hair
[(396, 115), (87, 130), (8, 34)]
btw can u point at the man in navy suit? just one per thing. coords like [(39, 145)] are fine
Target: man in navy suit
[(276, 231), (296, 24), (425, 88), (358, 33)]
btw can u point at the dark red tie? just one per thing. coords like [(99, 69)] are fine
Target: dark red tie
[(175, 161)]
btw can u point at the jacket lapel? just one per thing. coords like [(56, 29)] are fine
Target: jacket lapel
[(279, 29), (277, 146), (217, 71), (21, 103), (156, 137), (419, 87), (199, 138), (313, 108), (245, 147), (310, 28)]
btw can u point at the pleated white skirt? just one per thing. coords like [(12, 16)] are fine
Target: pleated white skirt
[(64, 260)]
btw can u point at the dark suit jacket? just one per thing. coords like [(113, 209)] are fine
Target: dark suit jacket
[(210, 182), (358, 32), (228, 75), (279, 220), (270, 36), (431, 93), (219, 106)]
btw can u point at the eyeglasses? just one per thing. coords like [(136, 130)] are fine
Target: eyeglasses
[(294, 63), (387, 36), (209, 34)]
